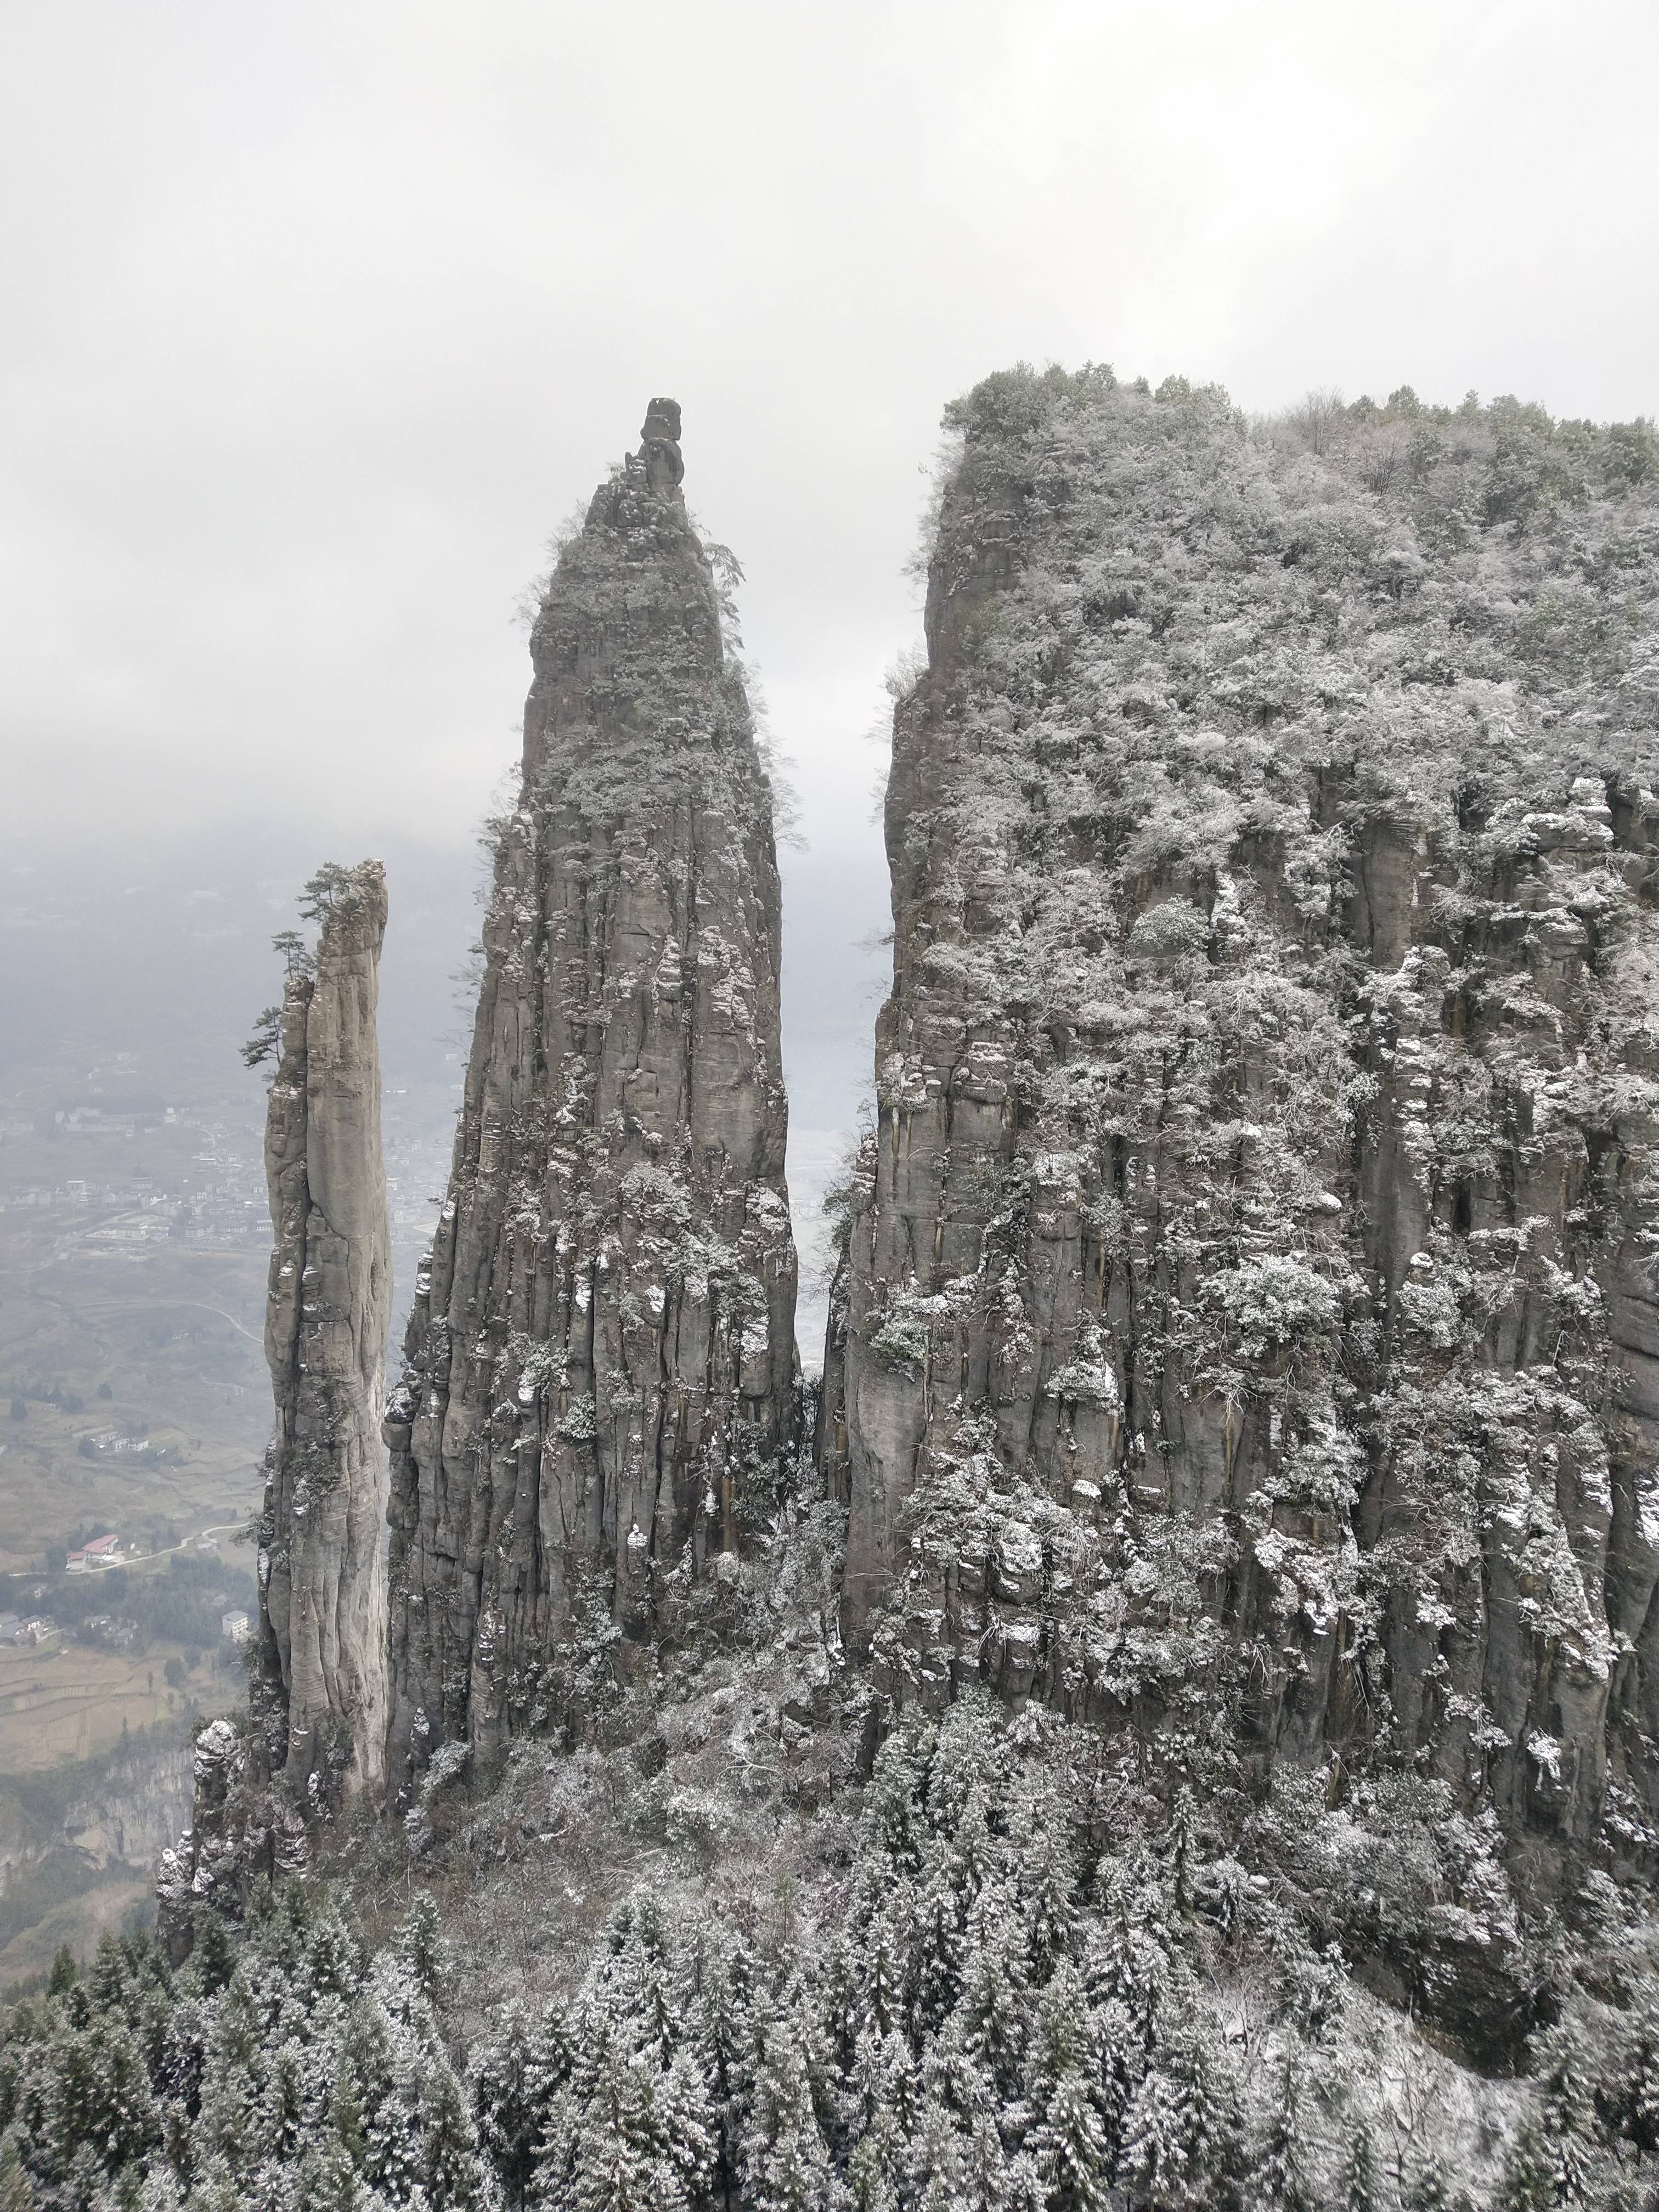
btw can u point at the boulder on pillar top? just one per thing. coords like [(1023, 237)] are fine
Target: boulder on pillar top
[(660, 448)]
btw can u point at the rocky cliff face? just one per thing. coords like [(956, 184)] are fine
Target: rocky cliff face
[(120, 1809), (135, 1806), (320, 1703), (1247, 1329), (600, 1361)]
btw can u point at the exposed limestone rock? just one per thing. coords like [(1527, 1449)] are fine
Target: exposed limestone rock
[(125, 1808), (315, 1733), (319, 1699), (1247, 1329), (600, 1361), (241, 1829)]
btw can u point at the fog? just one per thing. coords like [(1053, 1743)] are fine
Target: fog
[(316, 320)]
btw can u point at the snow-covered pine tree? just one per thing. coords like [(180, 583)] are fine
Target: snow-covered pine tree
[(1361, 2185), (620, 2162), (508, 2114), (1528, 2183), (786, 2164), (1181, 2137), (1278, 2178), (1069, 2146), (994, 2006), (16, 2191)]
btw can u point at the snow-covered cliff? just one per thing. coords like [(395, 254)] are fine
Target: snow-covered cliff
[(1247, 1333)]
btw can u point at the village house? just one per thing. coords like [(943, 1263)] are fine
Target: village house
[(102, 1551)]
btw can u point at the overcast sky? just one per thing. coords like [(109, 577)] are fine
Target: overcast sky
[(315, 320)]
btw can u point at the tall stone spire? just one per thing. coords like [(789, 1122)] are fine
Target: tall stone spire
[(600, 1361), (319, 1685)]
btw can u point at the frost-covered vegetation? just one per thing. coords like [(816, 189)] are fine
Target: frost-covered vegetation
[(992, 1978), (282, 2067)]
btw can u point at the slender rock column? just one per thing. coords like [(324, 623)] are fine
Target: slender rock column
[(319, 1686)]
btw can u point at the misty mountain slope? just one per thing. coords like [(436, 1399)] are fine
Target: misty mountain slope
[(1179, 1737), (1247, 1335)]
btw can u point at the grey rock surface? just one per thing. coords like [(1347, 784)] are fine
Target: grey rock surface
[(1247, 1333), (600, 1362), (320, 1693)]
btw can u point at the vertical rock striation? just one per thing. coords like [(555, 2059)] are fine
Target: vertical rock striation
[(600, 1361), (319, 1696), (1248, 1328)]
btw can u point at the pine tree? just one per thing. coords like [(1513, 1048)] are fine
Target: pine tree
[(935, 2160), (868, 2187), (991, 2181), (621, 2163), (100, 2097), (391, 2154), (495, 2084), (656, 2010), (16, 2190), (212, 1957), (1070, 2149), (726, 1993), (785, 2163), (1130, 1963), (935, 1940), (1628, 2095), (345, 2111), (1529, 2178), (512, 2080), (1278, 2178), (1567, 2118), (897, 1784), (162, 2193), (1181, 2134), (994, 2007), (282, 2104), (420, 1949), (1360, 2187), (1121, 2060), (690, 2128), (886, 1964), (868, 2112), (326, 2179), (1183, 1819), (976, 1851), (449, 2161), (1428, 2190), (1049, 1880)]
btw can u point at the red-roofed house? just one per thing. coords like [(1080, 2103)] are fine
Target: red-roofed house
[(102, 1551)]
